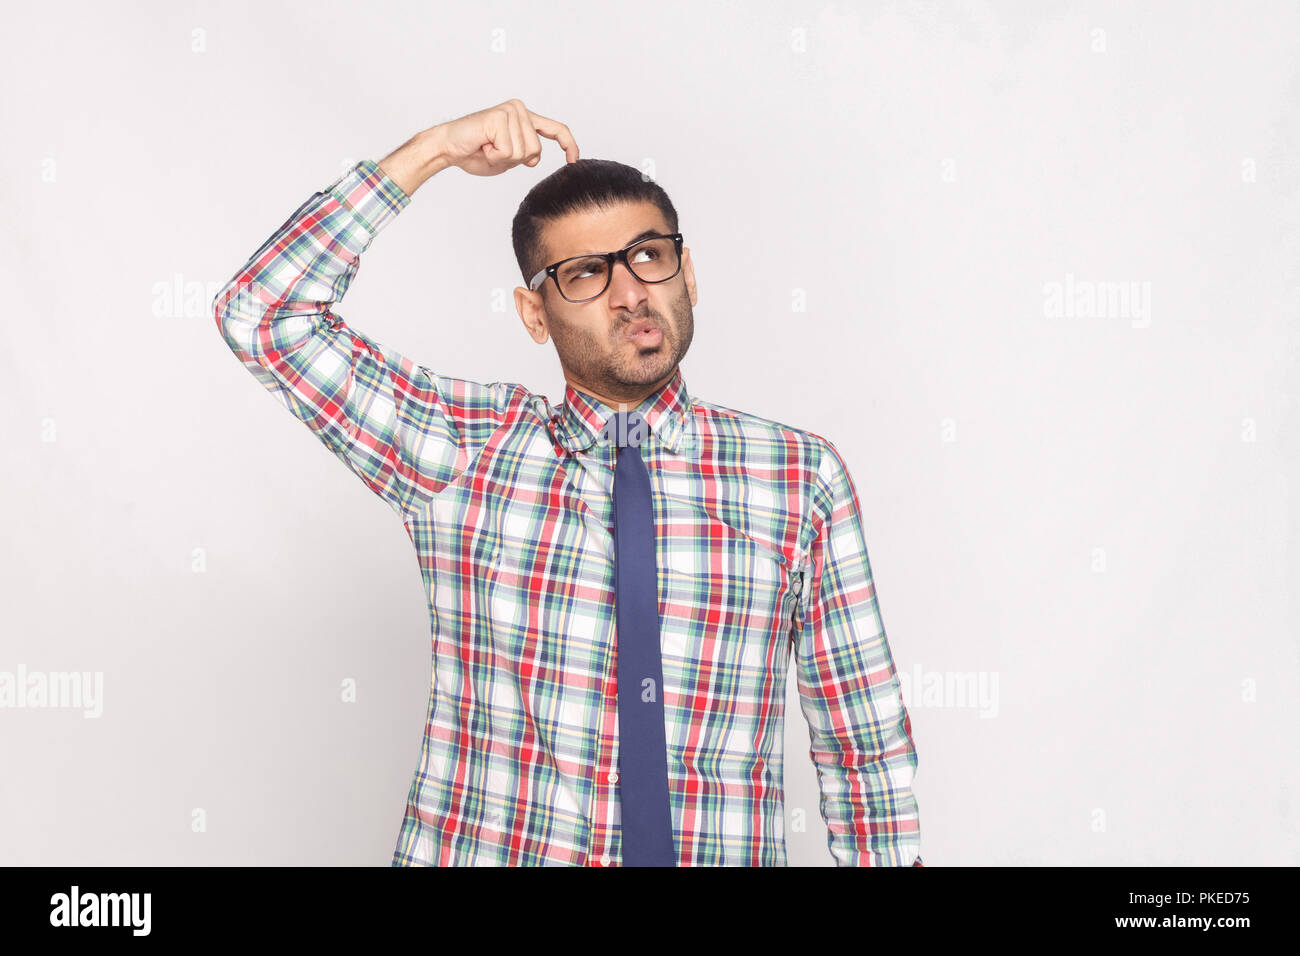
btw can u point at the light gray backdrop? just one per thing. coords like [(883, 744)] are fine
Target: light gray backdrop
[(1032, 267)]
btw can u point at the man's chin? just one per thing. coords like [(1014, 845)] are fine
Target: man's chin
[(646, 374)]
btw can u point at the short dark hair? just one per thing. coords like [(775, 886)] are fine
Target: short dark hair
[(586, 184)]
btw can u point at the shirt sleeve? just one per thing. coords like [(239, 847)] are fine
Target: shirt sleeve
[(390, 421), (849, 692)]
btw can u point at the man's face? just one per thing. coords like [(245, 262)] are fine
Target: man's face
[(593, 338)]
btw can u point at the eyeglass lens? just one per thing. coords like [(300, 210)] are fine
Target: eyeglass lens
[(651, 260)]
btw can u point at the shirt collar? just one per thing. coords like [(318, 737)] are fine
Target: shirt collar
[(668, 412)]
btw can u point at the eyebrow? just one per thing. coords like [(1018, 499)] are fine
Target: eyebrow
[(643, 234)]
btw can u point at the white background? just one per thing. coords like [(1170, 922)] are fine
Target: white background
[(1094, 511)]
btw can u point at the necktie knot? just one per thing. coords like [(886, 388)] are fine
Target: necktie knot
[(626, 428)]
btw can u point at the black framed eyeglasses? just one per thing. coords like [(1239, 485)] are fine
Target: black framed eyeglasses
[(582, 278)]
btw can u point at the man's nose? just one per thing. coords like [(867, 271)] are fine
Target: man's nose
[(624, 284)]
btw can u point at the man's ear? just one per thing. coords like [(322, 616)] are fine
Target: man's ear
[(532, 312), (688, 270)]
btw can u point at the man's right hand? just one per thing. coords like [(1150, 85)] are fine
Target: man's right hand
[(485, 143), (496, 139)]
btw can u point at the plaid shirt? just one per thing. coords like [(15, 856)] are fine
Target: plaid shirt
[(508, 503)]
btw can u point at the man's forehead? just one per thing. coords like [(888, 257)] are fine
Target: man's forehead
[(602, 230)]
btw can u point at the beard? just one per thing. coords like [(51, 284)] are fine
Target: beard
[(604, 359)]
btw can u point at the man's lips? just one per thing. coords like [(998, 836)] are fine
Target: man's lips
[(643, 331)]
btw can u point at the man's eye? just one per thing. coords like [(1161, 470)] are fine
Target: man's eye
[(580, 269)]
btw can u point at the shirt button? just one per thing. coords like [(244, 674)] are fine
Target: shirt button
[(612, 777), (604, 859)]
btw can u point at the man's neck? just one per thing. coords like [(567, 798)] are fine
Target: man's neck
[(629, 400)]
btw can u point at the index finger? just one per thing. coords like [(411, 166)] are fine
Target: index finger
[(553, 129)]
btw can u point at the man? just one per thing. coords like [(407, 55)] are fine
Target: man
[(615, 587)]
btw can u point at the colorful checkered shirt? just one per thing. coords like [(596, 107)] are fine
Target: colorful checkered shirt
[(507, 500)]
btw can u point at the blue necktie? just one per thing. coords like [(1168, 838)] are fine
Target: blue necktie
[(647, 828)]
